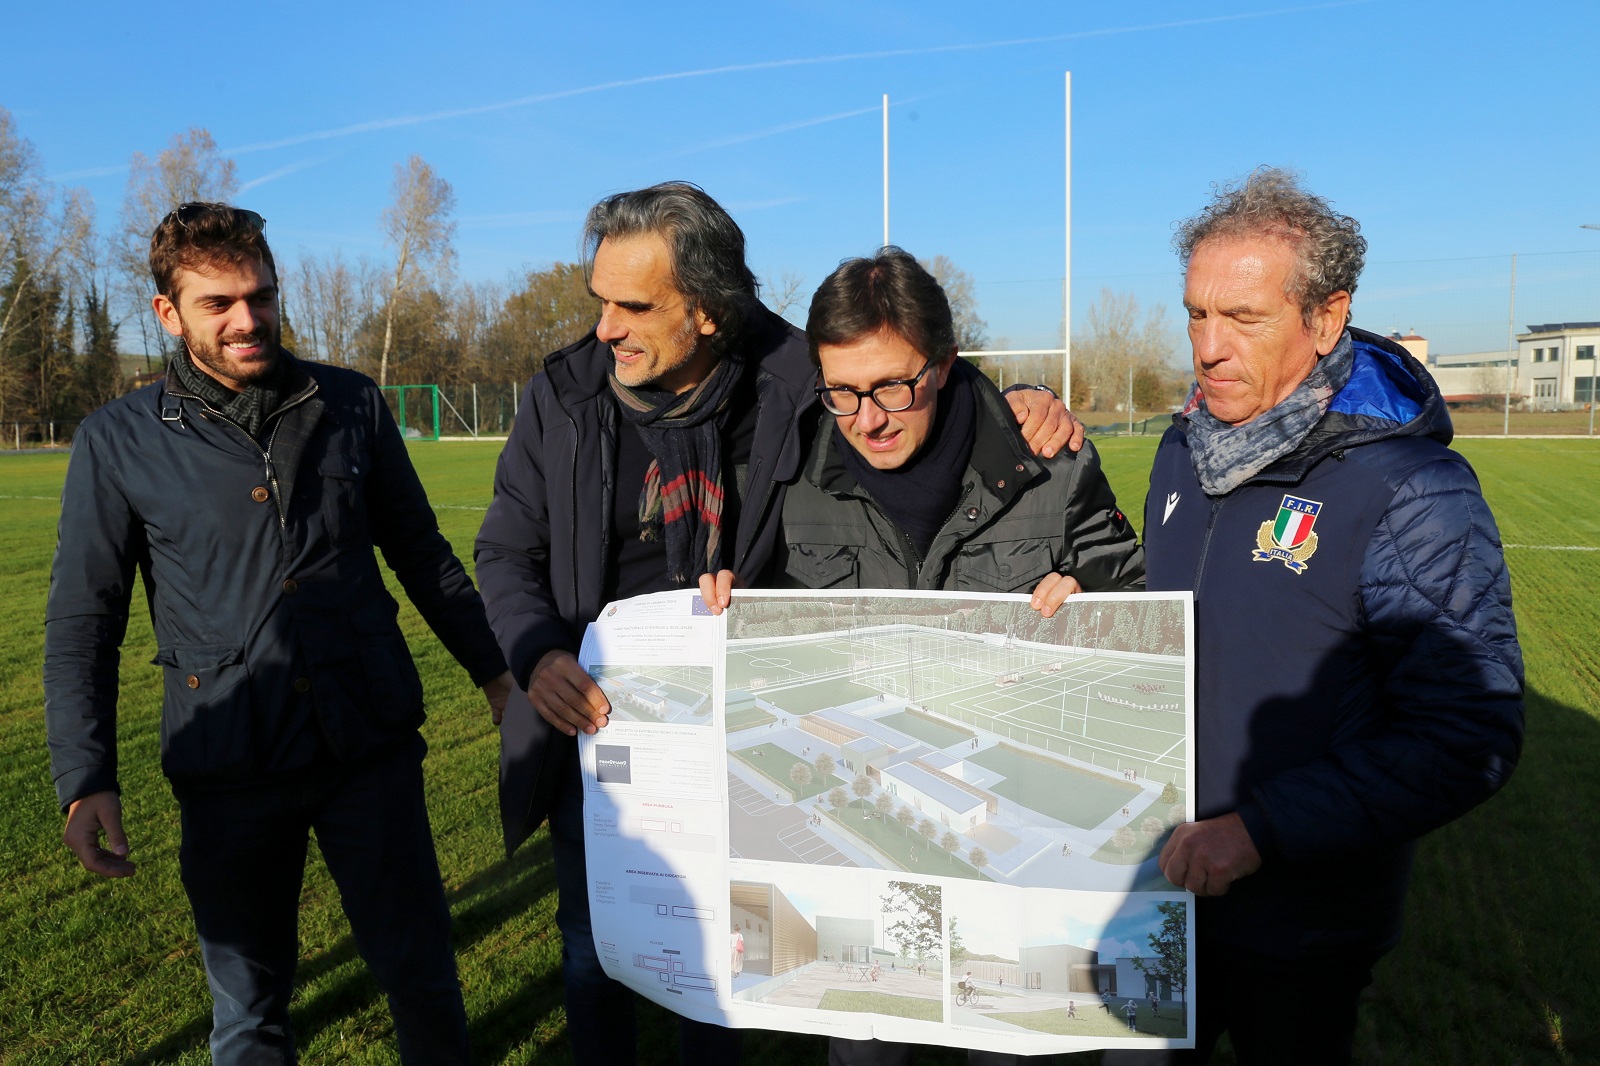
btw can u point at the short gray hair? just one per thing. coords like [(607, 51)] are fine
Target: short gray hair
[(707, 247), (1328, 247)]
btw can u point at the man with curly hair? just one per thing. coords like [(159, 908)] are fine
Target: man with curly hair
[(1358, 679)]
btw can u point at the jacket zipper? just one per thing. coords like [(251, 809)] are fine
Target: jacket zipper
[(266, 455), (1205, 545)]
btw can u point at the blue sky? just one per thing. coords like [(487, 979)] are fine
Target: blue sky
[(1455, 132)]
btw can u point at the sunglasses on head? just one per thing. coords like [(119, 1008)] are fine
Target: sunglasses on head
[(187, 213)]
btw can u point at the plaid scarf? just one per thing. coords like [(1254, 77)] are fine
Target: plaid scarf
[(682, 494), (1226, 456), (248, 409)]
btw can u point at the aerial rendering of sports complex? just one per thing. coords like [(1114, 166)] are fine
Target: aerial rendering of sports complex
[(943, 738)]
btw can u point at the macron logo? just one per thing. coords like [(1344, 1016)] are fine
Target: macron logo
[(1172, 503)]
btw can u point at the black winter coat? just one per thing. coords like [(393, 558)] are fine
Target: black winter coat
[(277, 638)]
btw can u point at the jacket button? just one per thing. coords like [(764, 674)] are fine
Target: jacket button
[(302, 685), (192, 681), (290, 586), (260, 494), (1000, 484), (1019, 468), (972, 514)]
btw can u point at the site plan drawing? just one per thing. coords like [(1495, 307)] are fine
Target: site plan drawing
[(918, 816)]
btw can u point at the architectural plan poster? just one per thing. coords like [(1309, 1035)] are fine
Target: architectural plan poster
[(915, 816)]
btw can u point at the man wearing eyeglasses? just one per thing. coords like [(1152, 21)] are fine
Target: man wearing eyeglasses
[(915, 477), (250, 490)]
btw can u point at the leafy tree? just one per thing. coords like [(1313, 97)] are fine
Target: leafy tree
[(884, 804), (824, 764), (949, 842), (958, 950), (800, 774), (905, 818), (978, 858), (837, 797), (861, 786), (99, 370), (1171, 946), (1152, 827), (1123, 838), (919, 929), (546, 311), (1175, 814), (1169, 792)]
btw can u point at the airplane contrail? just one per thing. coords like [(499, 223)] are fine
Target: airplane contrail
[(373, 125), (768, 64)]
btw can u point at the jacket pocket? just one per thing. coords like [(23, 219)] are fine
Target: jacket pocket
[(344, 503), (206, 716), (1003, 566), (823, 566), (393, 690)]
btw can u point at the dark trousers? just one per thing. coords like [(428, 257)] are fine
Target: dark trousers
[(600, 1011), (889, 1053), (1273, 1011), (242, 859)]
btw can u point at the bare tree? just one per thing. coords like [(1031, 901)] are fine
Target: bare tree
[(418, 224), (972, 332), (785, 292), (1120, 337), (45, 248), (190, 168)]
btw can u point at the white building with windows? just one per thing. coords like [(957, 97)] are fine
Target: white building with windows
[(1556, 364)]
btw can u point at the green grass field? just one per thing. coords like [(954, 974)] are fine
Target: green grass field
[(1499, 962)]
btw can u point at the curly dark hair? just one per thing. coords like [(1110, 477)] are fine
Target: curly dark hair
[(1270, 202)]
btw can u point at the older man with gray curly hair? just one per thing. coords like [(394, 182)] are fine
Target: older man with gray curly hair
[(1358, 679)]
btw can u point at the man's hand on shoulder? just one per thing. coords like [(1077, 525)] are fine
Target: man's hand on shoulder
[(497, 692), (87, 818), (1046, 423), (566, 696), (1208, 856)]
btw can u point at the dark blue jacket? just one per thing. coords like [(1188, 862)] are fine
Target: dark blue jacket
[(277, 639), (541, 554), (1358, 679)]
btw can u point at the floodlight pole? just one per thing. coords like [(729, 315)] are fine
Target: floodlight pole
[(1511, 347), (1594, 365), (1066, 275)]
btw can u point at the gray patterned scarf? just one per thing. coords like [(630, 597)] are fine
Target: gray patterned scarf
[(1227, 456)]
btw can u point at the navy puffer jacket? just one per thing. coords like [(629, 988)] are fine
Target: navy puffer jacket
[(1358, 678)]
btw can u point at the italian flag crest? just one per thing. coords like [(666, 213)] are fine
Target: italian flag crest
[(1290, 537)]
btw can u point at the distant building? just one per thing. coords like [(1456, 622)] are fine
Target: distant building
[(1553, 369), (1556, 364)]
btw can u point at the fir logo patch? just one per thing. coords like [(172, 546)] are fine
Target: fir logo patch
[(1289, 538)]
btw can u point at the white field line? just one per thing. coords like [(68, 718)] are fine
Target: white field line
[(1554, 547)]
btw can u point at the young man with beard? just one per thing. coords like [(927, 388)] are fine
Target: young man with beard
[(650, 452), (249, 490)]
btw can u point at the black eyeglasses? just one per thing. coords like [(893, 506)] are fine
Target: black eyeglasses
[(890, 396), (187, 213)]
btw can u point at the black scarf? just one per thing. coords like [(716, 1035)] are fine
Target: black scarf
[(682, 493), (919, 496), (248, 409)]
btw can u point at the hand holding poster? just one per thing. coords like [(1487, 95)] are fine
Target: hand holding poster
[(914, 816)]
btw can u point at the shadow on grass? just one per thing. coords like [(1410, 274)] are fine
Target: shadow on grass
[(499, 895)]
